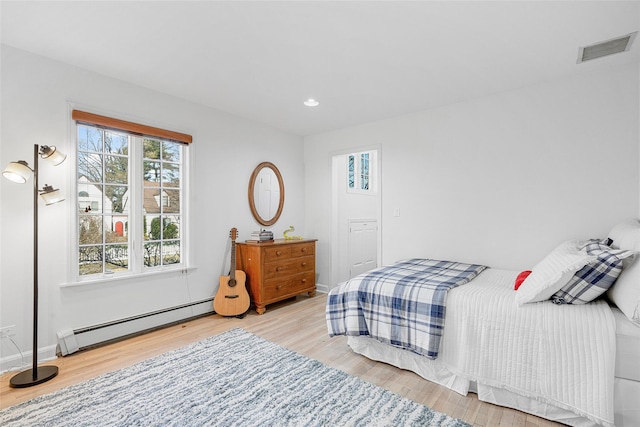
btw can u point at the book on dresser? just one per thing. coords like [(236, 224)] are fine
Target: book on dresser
[(278, 270)]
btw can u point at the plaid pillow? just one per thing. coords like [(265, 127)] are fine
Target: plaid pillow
[(596, 277)]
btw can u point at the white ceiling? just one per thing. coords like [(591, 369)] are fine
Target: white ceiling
[(364, 61)]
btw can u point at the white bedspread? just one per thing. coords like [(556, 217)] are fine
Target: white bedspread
[(562, 355)]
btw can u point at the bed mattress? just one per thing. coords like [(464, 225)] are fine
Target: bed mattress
[(627, 347)]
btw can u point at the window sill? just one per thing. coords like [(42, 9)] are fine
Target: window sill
[(108, 278)]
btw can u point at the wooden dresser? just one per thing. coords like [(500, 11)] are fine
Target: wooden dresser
[(277, 270)]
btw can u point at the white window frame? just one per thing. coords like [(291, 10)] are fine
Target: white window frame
[(136, 214)]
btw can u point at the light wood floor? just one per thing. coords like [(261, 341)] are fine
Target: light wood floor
[(297, 324)]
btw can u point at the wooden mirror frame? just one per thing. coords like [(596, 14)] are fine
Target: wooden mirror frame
[(252, 203)]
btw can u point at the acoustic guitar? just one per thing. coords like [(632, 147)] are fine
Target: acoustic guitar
[(232, 298)]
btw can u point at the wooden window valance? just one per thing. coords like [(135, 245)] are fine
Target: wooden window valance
[(135, 128)]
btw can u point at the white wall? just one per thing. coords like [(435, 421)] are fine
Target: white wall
[(499, 180), (36, 98)]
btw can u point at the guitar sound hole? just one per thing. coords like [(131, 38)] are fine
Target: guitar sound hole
[(232, 282)]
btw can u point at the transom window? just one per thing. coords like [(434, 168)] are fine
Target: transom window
[(131, 213)]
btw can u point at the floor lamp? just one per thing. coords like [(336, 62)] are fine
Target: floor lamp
[(20, 172)]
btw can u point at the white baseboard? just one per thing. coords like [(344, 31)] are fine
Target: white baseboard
[(17, 363), (322, 288), (103, 334)]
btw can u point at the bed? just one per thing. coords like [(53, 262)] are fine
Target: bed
[(555, 348)]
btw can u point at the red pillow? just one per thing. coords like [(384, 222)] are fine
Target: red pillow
[(521, 278)]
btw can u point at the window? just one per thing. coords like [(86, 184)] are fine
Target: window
[(360, 174), (162, 195), (131, 212)]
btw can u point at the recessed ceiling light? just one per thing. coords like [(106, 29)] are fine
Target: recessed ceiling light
[(311, 102)]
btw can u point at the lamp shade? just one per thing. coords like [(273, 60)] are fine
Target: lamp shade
[(51, 195), (52, 155), (17, 171)]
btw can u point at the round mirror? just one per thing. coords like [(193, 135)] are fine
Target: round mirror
[(266, 193)]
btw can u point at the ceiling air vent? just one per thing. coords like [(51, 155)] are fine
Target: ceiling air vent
[(609, 47)]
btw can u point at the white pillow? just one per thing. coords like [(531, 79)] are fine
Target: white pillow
[(625, 292), (553, 272)]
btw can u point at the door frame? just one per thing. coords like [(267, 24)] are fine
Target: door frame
[(338, 243)]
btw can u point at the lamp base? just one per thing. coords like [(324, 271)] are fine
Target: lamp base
[(26, 378)]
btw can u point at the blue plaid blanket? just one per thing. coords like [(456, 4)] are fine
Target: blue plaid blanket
[(402, 304)]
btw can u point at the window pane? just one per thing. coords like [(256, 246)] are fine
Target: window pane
[(89, 138), (116, 198), (90, 260), (152, 229), (89, 198), (90, 167), (151, 149), (116, 169), (171, 252), (90, 229), (152, 200), (170, 201), (364, 171), (171, 227), (171, 151), (365, 182), (116, 258), (351, 171), (151, 173), (364, 162), (152, 254), (115, 229), (171, 175), (116, 143)]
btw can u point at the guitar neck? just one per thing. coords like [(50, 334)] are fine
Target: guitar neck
[(232, 269)]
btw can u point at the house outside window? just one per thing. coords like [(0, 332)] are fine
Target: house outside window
[(130, 215)]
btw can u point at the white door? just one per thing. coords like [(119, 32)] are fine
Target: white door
[(362, 252), (363, 246)]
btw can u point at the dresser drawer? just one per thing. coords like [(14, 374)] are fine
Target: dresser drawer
[(276, 288), (288, 267), (303, 249), (276, 252)]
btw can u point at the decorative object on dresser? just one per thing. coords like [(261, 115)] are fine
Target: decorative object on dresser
[(261, 236), (232, 298), (291, 229), (279, 270)]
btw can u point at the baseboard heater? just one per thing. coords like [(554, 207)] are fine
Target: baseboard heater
[(71, 341)]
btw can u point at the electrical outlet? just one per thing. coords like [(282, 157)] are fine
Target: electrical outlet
[(7, 331)]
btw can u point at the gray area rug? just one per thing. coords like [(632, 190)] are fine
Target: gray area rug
[(233, 379)]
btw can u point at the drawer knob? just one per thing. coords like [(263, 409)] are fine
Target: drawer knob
[(278, 253), (279, 268), (304, 264), (278, 287), (304, 280), (304, 249)]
